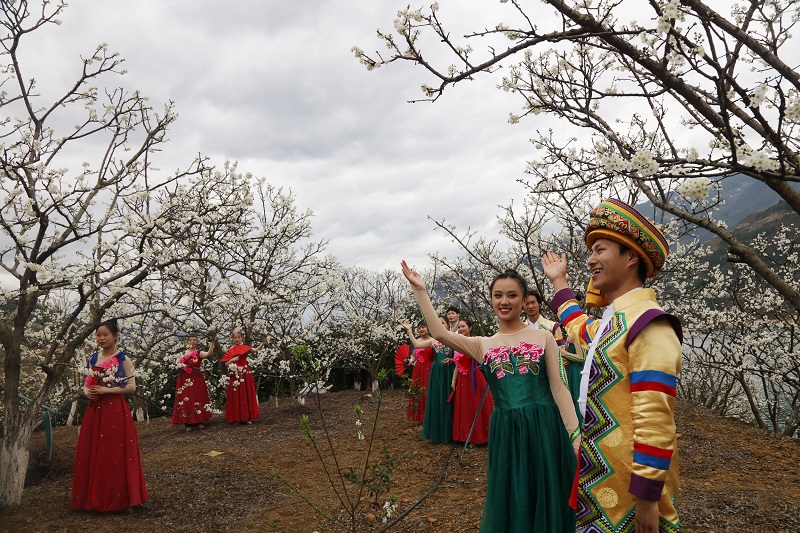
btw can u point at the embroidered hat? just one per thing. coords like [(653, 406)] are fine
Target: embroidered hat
[(619, 222)]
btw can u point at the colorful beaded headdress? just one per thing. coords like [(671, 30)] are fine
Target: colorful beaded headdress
[(622, 223)]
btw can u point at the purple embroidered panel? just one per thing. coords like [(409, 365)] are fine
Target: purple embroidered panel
[(647, 317), (560, 297), (648, 489)]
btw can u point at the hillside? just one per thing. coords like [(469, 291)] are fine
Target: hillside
[(745, 200), (734, 478), (766, 221)]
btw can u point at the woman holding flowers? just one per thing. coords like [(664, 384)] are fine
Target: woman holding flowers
[(469, 385), (241, 400), (192, 406), (108, 470), (531, 461)]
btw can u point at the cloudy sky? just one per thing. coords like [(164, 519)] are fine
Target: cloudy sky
[(273, 85)]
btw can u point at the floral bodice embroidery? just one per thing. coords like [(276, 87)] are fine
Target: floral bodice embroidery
[(107, 373), (503, 359), (438, 347)]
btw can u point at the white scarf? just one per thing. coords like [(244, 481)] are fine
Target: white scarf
[(604, 329)]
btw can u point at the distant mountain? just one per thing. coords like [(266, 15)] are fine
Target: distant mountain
[(743, 196), (767, 221)]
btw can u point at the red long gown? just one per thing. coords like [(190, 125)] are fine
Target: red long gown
[(470, 384), (241, 401), (108, 468), (192, 405), (422, 371)]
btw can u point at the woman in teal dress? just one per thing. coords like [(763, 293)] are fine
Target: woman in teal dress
[(437, 424), (531, 461)]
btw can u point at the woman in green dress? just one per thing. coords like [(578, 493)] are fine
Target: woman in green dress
[(531, 461), (437, 424)]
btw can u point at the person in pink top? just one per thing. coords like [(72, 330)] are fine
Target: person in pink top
[(422, 358), (469, 385)]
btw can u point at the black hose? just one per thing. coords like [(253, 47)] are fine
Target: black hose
[(444, 468), (425, 496)]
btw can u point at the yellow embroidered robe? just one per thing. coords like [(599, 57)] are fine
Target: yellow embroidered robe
[(629, 446)]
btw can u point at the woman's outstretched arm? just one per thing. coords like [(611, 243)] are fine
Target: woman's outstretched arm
[(469, 345), (417, 343)]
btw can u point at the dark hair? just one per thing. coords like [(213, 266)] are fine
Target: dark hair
[(422, 323), (454, 309), (511, 274), (467, 321), (111, 324), (536, 295), (642, 266)]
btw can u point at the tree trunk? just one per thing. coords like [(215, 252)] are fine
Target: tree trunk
[(14, 465), (72, 411), (375, 385)]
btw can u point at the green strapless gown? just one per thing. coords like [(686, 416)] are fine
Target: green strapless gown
[(530, 461), (437, 425)]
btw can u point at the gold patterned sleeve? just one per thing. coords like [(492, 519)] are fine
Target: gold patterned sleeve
[(580, 328), (655, 361)]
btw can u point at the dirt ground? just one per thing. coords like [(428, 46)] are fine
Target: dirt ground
[(733, 477)]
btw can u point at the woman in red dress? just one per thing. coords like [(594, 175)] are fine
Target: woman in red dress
[(108, 470), (469, 384), (192, 406), (241, 401), (422, 359)]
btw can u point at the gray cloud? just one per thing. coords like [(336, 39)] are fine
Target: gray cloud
[(274, 86)]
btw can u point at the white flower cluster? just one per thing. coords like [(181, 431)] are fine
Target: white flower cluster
[(670, 12), (643, 162), (758, 95), (389, 506), (696, 188), (360, 432), (792, 112), (236, 374), (760, 161)]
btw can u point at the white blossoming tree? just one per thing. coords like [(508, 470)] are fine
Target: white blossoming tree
[(258, 273), (372, 303), (663, 101), (742, 351), (73, 242), (658, 101)]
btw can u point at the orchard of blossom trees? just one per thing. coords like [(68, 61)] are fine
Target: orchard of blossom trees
[(660, 102), (663, 108), (206, 249)]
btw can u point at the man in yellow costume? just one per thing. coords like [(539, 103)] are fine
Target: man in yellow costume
[(628, 457)]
